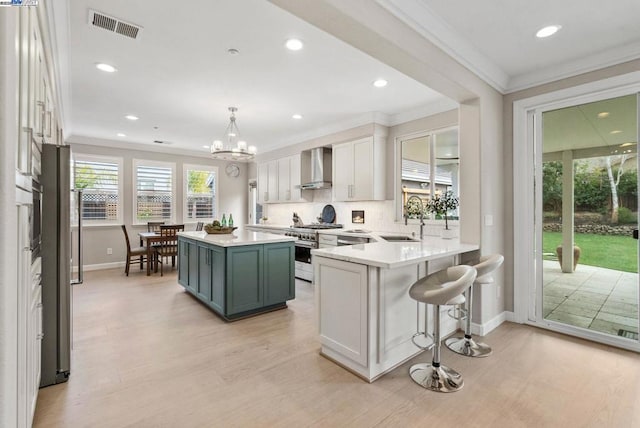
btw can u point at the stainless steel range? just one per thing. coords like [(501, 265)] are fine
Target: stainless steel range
[(307, 240)]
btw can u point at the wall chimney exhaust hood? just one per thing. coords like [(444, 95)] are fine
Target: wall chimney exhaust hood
[(320, 169)]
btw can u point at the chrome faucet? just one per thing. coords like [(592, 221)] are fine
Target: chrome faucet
[(406, 214)]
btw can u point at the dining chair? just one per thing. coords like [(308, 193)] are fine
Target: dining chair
[(167, 246), (136, 254), (154, 226), (199, 226)]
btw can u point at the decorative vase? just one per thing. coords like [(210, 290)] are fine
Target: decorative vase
[(576, 255), (447, 233)]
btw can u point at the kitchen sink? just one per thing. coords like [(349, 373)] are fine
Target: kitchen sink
[(398, 238)]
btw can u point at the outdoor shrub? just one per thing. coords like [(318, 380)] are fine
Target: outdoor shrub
[(625, 216)]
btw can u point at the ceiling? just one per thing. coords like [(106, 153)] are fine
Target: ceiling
[(580, 127), (497, 39), (179, 78)]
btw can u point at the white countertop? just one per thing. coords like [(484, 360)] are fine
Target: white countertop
[(268, 226), (391, 255), (237, 238)]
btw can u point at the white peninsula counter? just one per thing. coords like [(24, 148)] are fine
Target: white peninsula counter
[(364, 313)]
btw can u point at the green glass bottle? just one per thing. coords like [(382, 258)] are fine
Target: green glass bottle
[(230, 220), (223, 223)]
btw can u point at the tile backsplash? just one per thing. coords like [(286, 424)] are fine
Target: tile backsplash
[(379, 215)]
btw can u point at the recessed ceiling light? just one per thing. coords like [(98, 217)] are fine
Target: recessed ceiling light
[(603, 114), (297, 116), (120, 134), (380, 83), (294, 44), (627, 144), (547, 31), (132, 117), (616, 131), (106, 67)]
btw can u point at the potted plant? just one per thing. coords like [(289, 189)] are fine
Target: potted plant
[(441, 205)]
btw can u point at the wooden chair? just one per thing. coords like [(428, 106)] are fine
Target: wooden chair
[(168, 245), (135, 254), (154, 226), (199, 226)]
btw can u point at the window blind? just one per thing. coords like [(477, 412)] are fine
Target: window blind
[(99, 182), (154, 196)]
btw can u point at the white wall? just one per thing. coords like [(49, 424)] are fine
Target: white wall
[(232, 198)]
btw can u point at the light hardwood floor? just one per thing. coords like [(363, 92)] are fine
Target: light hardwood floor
[(147, 354)]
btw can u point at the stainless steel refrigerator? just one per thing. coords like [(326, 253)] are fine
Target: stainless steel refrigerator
[(60, 241)]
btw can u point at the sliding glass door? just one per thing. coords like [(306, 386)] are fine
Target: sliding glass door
[(586, 215)]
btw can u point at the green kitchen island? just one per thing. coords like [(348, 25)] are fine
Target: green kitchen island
[(237, 275)]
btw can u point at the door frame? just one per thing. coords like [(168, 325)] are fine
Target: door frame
[(527, 154)]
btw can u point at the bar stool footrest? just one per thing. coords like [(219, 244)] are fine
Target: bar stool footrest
[(425, 336), (458, 313)]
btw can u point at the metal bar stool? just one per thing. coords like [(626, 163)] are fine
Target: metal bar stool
[(444, 287), (466, 345)]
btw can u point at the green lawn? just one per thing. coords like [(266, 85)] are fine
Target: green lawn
[(611, 252)]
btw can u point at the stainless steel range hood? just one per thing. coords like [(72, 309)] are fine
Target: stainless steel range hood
[(320, 169)]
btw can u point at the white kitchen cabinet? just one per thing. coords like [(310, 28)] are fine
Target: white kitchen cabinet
[(25, 85), (284, 180), (343, 287), (327, 241), (359, 170), (268, 182), (279, 180)]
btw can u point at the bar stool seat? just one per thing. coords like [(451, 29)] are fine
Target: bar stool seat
[(466, 345), (444, 287)]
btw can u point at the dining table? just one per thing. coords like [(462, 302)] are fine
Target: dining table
[(148, 239)]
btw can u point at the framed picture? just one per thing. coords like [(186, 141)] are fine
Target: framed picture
[(357, 217)]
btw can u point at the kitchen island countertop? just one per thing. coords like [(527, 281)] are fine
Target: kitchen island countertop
[(237, 238)]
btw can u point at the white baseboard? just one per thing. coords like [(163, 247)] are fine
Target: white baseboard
[(511, 317), (101, 266), (492, 324)]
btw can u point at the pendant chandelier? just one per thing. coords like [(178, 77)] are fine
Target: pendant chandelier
[(235, 149)]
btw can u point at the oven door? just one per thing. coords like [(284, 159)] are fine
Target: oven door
[(304, 269)]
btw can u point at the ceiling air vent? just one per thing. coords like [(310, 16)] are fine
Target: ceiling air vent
[(161, 142), (115, 25)]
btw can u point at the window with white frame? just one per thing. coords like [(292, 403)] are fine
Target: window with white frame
[(200, 192), (100, 179), (154, 184)]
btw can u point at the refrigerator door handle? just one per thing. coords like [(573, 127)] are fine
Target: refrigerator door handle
[(80, 279)]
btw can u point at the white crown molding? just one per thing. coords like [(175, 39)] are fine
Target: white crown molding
[(128, 145), (417, 15), (593, 62), (375, 117), (353, 122)]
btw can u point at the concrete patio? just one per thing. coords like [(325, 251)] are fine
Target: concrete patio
[(595, 298)]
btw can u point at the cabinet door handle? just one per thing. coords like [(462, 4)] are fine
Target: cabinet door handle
[(42, 112), (266, 196), (40, 336), (49, 116)]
